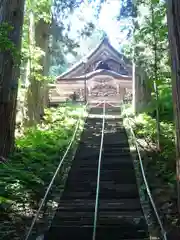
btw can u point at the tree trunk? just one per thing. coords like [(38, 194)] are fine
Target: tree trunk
[(173, 13), (156, 76), (46, 64), (34, 88), (37, 89), (9, 73), (42, 41)]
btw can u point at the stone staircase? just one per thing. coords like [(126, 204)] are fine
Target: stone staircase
[(120, 215)]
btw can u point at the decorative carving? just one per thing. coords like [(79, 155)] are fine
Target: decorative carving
[(102, 81), (103, 90)]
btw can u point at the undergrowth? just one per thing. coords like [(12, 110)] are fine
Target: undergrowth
[(28, 171), (160, 166)]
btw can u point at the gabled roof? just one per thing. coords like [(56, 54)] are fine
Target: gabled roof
[(101, 72), (80, 64)]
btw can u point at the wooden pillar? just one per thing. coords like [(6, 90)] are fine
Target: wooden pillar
[(89, 91), (122, 93), (117, 87)]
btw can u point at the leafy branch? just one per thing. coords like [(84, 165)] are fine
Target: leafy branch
[(6, 44)]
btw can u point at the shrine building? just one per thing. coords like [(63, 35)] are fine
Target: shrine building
[(105, 74)]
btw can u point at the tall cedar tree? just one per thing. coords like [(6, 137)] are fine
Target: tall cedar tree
[(12, 13), (173, 13)]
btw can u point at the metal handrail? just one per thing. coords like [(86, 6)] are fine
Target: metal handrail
[(164, 234), (98, 176), (54, 176)]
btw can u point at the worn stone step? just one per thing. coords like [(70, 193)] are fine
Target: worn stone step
[(123, 177), (111, 218), (108, 186), (110, 138), (110, 154), (69, 232), (122, 142), (87, 155), (80, 191), (121, 155), (121, 161), (111, 165), (113, 138), (107, 233), (108, 205), (116, 148), (106, 175), (124, 157), (102, 233), (115, 152)]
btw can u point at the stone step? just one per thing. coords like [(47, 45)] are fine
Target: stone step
[(116, 151), (109, 174), (119, 177), (102, 233), (86, 191), (111, 218), (113, 165), (111, 154), (122, 143), (104, 205)]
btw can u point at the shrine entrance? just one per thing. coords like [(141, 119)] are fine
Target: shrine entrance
[(104, 89), (104, 75)]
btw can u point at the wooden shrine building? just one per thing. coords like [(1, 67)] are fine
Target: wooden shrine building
[(105, 75)]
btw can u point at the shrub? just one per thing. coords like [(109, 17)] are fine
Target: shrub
[(28, 171)]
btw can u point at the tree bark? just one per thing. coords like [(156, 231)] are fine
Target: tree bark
[(42, 41), (173, 13), (37, 93), (156, 75), (34, 88), (12, 13)]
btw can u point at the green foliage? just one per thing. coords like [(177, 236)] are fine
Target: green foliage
[(5, 43), (36, 67), (25, 176), (127, 111), (151, 56), (162, 162), (165, 103)]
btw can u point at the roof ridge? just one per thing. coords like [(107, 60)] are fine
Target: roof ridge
[(104, 41)]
